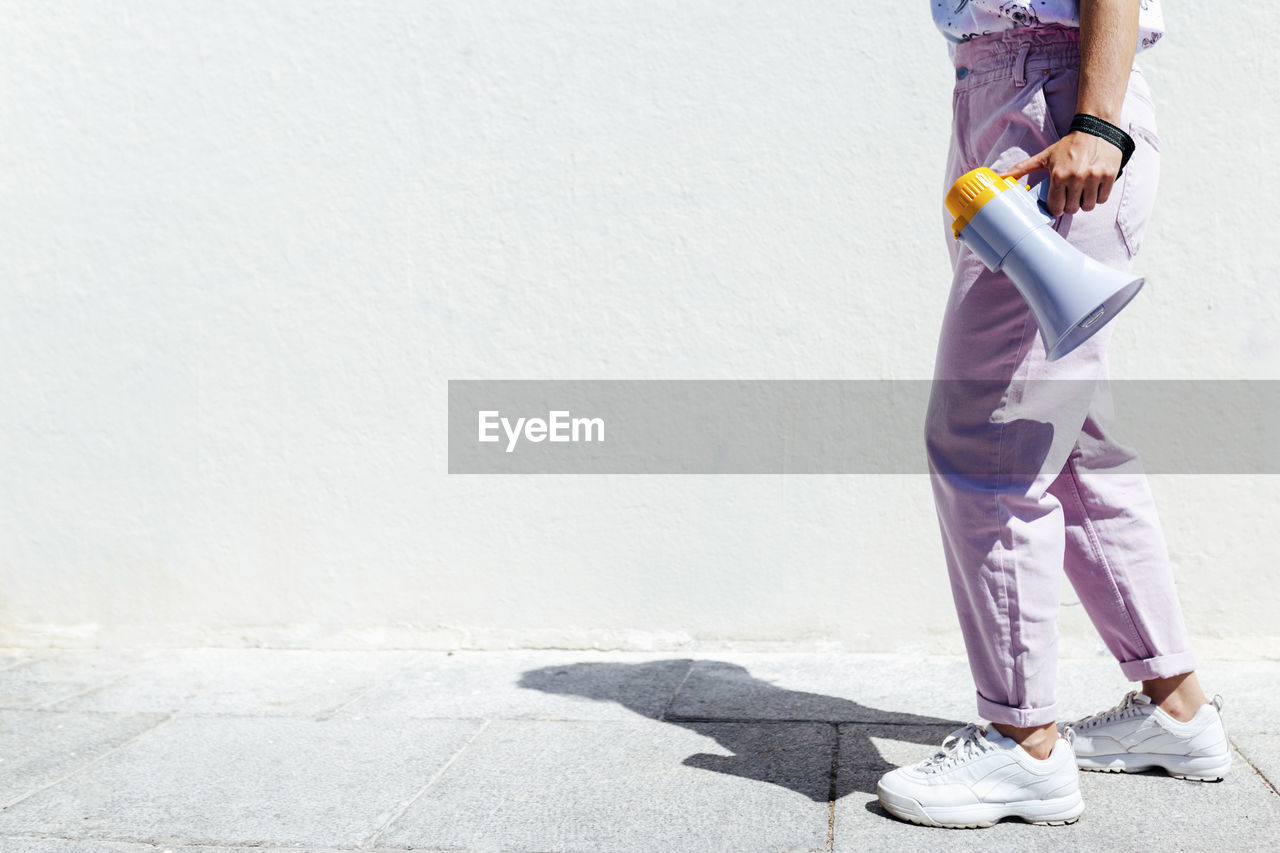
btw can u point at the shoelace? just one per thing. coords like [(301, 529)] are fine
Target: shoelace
[(1127, 707), (960, 745)]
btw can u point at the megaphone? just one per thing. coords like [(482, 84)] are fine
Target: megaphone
[(1071, 295)]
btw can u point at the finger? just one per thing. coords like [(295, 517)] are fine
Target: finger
[(1073, 190), (1088, 195), (1104, 190), (1031, 164), (1057, 198)]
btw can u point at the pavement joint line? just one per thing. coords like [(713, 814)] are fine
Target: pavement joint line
[(202, 844), (197, 844), (100, 686), (178, 712), (829, 722), (674, 693), (325, 715), (1256, 769), (519, 718), (371, 840), (18, 663), (100, 839), (833, 790), (133, 712), (99, 759)]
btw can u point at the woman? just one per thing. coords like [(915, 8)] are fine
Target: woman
[(1053, 488)]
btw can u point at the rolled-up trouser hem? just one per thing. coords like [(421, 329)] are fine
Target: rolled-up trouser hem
[(1158, 667), (1010, 716)]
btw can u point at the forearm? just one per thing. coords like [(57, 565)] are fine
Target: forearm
[(1108, 36)]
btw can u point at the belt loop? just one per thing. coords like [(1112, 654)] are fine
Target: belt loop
[(1020, 65)]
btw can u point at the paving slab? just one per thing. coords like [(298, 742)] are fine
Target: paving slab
[(1263, 752), (38, 748), (556, 684), (1240, 813), (245, 681), (14, 657), (635, 785), (60, 845), (55, 845), (46, 677), (247, 780)]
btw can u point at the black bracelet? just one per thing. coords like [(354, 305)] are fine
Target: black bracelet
[(1086, 123)]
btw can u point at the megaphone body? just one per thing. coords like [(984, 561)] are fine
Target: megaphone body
[(1071, 295)]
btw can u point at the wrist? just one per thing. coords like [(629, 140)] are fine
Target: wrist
[(1107, 107), (1097, 126), (1111, 116)]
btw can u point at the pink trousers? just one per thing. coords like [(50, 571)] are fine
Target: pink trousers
[(1028, 478)]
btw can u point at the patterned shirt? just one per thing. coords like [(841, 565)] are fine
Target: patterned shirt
[(962, 20)]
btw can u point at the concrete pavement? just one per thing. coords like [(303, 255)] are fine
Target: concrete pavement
[(218, 749)]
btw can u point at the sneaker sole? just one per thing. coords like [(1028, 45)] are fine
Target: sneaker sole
[(1211, 768), (1056, 812)]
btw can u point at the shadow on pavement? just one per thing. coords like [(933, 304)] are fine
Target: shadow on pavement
[(784, 737)]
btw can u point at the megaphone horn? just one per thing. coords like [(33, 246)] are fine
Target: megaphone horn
[(1071, 295)]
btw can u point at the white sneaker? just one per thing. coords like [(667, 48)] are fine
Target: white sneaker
[(980, 776), (1137, 735)]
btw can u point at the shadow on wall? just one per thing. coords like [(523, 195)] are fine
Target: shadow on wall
[(783, 737)]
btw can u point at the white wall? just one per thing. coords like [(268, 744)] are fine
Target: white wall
[(245, 245)]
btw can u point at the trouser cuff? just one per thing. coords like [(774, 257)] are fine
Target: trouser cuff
[(1158, 667), (1010, 716)]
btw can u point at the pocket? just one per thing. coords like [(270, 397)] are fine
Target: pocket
[(1138, 186), (1058, 91)]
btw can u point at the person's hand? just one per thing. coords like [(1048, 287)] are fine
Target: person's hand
[(1082, 168)]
